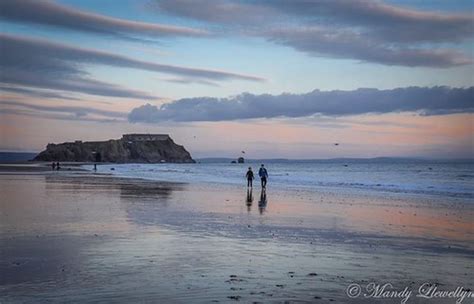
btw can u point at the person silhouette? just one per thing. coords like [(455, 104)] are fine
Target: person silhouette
[(249, 199), (250, 177), (262, 203), (263, 175)]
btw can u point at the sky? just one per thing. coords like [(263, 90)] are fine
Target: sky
[(275, 78)]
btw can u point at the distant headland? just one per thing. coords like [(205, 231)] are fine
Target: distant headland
[(139, 148)]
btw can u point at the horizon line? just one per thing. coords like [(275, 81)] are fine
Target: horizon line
[(303, 159)]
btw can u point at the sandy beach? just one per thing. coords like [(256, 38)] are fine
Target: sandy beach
[(90, 238), (131, 132)]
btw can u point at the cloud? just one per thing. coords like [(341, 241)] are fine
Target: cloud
[(367, 30), (220, 12), (426, 101), (53, 14), (35, 93), (386, 21), (187, 81), (57, 79), (57, 112), (346, 44), (23, 48), (44, 64), (56, 116), (77, 111)]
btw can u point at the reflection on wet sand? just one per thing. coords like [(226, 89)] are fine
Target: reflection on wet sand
[(262, 203), (134, 241), (249, 199), (127, 189), (144, 202)]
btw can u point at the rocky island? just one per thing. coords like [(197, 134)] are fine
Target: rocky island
[(131, 148)]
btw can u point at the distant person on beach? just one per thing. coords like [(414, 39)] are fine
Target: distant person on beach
[(95, 167), (57, 166), (53, 166), (263, 175), (250, 177)]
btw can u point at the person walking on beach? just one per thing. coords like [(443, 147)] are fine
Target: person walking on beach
[(263, 175), (250, 177)]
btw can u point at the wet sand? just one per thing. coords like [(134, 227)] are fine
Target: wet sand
[(79, 237)]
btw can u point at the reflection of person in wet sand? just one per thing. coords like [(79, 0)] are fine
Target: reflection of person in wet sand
[(249, 200), (262, 203)]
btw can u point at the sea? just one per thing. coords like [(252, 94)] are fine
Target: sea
[(447, 178), (13, 157)]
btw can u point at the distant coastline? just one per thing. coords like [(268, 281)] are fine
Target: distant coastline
[(341, 159), (14, 157), (19, 156)]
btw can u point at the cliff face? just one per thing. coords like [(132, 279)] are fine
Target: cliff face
[(117, 151)]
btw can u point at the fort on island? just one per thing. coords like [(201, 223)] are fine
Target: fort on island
[(145, 137), (131, 148)]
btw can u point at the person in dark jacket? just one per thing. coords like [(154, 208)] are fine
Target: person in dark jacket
[(263, 175), (250, 177)]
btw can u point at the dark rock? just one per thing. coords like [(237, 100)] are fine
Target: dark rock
[(155, 149), (241, 160)]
